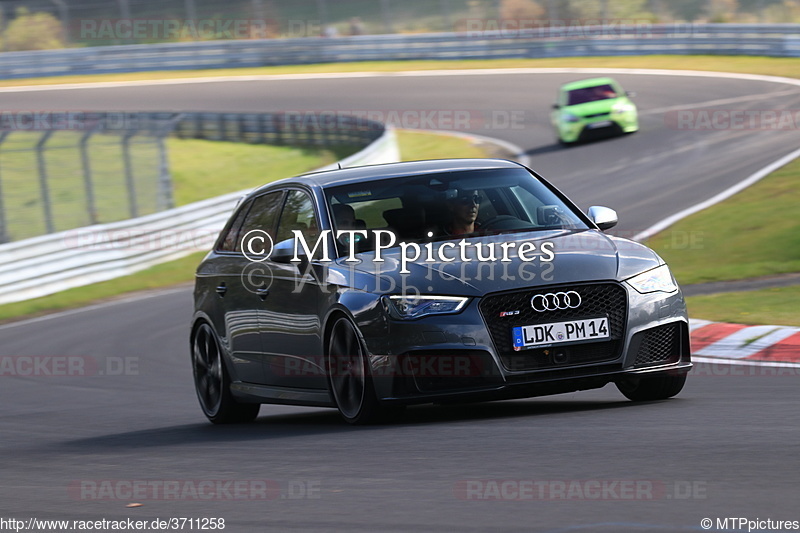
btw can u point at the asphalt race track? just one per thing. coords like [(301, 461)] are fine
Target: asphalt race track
[(727, 446)]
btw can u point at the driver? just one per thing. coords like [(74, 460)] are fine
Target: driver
[(604, 92), (463, 213), (344, 216)]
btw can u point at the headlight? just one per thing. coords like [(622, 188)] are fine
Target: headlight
[(409, 307), (569, 117), (620, 109), (657, 280)]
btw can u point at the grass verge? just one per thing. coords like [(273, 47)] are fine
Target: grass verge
[(766, 307), (205, 169), (752, 234), (772, 66), (197, 167), (419, 146)]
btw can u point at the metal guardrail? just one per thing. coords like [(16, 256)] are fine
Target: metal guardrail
[(777, 40), (291, 129), (50, 263)]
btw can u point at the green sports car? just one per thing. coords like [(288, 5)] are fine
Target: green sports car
[(589, 109)]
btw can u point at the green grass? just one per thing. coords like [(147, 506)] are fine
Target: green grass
[(205, 169), (417, 146), (197, 167), (773, 66), (768, 306), (754, 233)]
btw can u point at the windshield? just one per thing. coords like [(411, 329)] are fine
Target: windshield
[(591, 94), (449, 206)]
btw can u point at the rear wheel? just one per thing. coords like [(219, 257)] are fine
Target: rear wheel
[(350, 379), (212, 383), (651, 389)]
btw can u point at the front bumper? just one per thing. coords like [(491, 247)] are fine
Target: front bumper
[(455, 358), (586, 129)]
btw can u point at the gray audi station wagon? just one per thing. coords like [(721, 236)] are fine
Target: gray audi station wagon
[(372, 288)]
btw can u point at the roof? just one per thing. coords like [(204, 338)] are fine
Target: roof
[(592, 82), (346, 176)]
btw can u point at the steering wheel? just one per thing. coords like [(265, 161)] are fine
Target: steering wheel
[(497, 222)]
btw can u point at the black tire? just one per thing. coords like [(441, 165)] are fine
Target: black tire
[(349, 377), (212, 383), (651, 389)]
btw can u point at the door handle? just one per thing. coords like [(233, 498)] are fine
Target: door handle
[(222, 289)]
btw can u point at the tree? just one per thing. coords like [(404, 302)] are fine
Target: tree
[(34, 31), (521, 10), (620, 10), (586, 9), (723, 10)]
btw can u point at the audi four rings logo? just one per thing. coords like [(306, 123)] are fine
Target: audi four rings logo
[(555, 301)]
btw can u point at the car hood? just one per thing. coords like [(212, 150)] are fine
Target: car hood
[(593, 108), (576, 257)]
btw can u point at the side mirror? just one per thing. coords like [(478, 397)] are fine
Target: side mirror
[(283, 252), (556, 106), (603, 217)]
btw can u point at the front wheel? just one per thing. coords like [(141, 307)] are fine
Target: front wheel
[(651, 389), (350, 379), (212, 383)]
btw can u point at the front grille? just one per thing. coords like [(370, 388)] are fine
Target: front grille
[(658, 345), (590, 134), (598, 300), (596, 115)]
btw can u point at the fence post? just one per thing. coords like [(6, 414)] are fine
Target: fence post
[(322, 10), (87, 174), (126, 158), (63, 16), (4, 236), (3, 26), (387, 16), (45, 191), (447, 18), (165, 198), (191, 10)]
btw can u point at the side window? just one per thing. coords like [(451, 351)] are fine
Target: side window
[(298, 214), (262, 215), (228, 243)]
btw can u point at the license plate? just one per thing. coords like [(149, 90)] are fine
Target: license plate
[(595, 125), (542, 335)]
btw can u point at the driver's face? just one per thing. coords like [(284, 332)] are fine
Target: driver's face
[(347, 221), (465, 207), (345, 218)]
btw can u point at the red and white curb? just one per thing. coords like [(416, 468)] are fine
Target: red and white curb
[(737, 341)]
